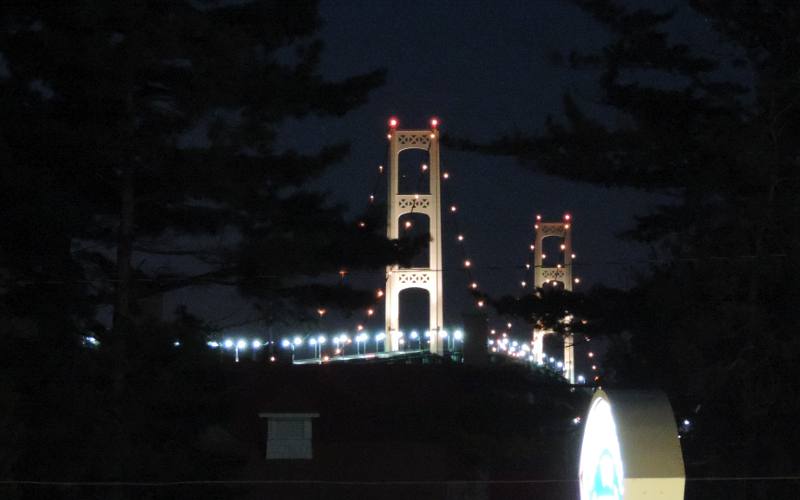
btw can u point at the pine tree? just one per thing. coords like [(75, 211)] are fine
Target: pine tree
[(138, 130), (714, 128)]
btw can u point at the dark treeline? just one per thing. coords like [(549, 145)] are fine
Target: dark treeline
[(136, 132), (137, 157), (704, 104)]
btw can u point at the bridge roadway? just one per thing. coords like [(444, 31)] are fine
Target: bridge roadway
[(373, 356)]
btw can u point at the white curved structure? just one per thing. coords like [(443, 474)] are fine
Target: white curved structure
[(630, 448)]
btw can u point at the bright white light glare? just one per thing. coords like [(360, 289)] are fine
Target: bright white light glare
[(312, 341), (177, 343), (380, 336), (228, 344), (212, 344), (601, 464), (298, 341), (581, 379), (414, 335), (427, 334), (321, 339), (458, 335), (285, 343), (241, 344), (560, 364), (256, 344)]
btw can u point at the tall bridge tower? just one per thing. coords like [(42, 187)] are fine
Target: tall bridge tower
[(429, 204), (553, 275)]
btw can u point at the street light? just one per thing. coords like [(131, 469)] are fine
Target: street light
[(240, 345), (415, 336), (378, 338), (313, 343), (361, 337)]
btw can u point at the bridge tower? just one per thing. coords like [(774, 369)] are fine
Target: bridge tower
[(553, 275), (427, 278)]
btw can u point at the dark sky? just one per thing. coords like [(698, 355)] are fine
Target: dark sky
[(483, 68)]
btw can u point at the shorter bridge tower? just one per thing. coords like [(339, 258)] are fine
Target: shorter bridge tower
[(544, 276)]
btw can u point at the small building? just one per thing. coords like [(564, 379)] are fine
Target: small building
[(289, 435)]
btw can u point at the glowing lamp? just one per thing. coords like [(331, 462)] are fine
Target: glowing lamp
[(434, 122), (393, 122), (630, 448), (567, 216)]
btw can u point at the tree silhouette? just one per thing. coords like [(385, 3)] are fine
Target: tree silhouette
[(714, 128)]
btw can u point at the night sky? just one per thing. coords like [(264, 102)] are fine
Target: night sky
[(483, 69)]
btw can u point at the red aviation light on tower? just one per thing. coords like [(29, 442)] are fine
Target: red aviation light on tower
[(567, 217), (434, 123), (393, 122)]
